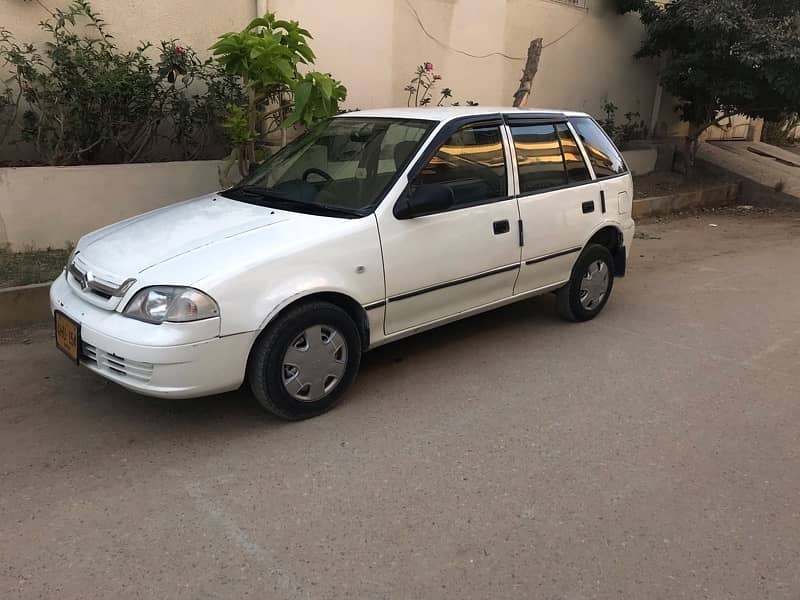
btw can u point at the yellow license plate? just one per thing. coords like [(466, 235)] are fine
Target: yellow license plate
[(68, 336)]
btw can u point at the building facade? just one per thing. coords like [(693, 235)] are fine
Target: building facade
[(373, 46)]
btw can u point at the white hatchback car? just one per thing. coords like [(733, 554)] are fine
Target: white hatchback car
[(371, 227)]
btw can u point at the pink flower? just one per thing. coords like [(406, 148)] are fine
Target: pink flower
[(180, 50), (429, 66)]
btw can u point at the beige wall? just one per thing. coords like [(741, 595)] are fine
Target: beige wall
[(373, 46), (194, 22), (43, 207)]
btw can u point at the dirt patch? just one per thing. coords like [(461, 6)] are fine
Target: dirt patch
[(668, 183), (740, 212), (681, 238), (24, 268)]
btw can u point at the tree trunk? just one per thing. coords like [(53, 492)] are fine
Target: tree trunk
[(690, 149), (684, 161), (531, 68)]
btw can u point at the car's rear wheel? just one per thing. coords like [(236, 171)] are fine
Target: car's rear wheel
[(304, 362), (589, 287)]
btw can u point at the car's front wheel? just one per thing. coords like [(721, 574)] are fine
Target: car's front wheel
[(306, 359), (589, 287)]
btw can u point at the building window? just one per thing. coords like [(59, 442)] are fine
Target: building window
[(582, 4)]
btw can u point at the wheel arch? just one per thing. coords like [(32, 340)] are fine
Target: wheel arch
[(347, 303), (612, 237)]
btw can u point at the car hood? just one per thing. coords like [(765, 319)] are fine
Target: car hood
[(135, 245)]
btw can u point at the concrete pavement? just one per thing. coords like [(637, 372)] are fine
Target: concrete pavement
[(652, 453), (770, 166)]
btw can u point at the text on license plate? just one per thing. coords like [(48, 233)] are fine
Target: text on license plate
[(67, 336)]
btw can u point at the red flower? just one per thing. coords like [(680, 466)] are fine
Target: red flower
[(429, 66), (180, 50)]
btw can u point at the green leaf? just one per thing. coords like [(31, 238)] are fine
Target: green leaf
[(259, 22), (302, 94), (323, 82), (286, 69)]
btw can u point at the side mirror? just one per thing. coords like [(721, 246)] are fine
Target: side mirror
[(424, 200)]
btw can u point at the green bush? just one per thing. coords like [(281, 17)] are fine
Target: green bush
[(633, 128), (83, 100)]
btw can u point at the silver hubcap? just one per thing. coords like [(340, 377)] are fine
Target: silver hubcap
[(594, 285), (314, 363)]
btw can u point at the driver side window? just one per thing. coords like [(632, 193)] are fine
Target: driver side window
[(472, 164)]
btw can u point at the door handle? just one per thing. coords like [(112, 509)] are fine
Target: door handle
[(501, 227), (588, 206)]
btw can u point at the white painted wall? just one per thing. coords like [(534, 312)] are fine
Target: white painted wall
[(43, 207)]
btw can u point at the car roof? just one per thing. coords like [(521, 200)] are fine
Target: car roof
[(448, 113)]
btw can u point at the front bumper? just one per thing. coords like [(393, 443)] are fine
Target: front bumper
[(171, 360)]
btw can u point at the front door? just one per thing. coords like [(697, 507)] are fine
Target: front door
[(443, 264)]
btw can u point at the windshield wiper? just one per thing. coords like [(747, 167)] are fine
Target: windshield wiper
[(257, 190), (277, 200)]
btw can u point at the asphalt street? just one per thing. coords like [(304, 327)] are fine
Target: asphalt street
[(653, 453)]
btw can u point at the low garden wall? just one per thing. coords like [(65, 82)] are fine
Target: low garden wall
[(52, 207), (641, 161), (720, 195)]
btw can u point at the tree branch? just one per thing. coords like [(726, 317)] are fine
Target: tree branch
[(531, 68)]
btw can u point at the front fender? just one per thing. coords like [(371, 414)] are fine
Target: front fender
[(291, 296), (349, 264)]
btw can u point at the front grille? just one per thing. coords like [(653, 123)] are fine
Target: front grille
[(104, 291), (107, 361)]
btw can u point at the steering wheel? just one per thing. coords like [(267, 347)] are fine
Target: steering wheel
[(315, 171)]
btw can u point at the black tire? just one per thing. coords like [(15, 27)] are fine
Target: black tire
[(568, 298), (265, 367)]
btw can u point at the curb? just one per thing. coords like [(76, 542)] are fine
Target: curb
[(24, 305), (664, 205)]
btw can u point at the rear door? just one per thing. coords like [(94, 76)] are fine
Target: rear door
[(442, 264), (559, 201), (608, 166)]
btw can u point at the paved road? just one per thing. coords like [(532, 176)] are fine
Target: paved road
[(653, 453)]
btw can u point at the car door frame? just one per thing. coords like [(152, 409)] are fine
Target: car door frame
[(428, 150)]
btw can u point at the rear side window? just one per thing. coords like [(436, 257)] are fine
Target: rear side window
[(472, 163), (577, 171), (605, 158), (539, 159)]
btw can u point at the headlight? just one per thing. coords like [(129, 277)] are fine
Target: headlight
[(174, 304)]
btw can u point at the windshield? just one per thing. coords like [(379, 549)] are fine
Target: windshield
[(340, 167)]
